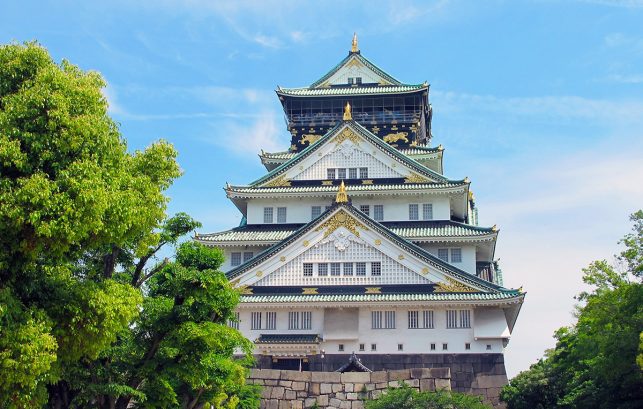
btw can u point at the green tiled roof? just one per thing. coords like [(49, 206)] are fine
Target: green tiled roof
[(408, 230), (414, 151), (508, 295), (383, 146), (363, 90), (350, 189), (364, 61), (288, 339)]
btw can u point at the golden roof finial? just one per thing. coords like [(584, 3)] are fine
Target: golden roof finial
[(342, 197), (348, 114), (354, 47)]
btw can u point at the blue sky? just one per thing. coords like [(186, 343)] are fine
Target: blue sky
[(540, 103)]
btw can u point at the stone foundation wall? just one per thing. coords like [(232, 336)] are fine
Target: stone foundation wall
[(478, 374), (298, 390)]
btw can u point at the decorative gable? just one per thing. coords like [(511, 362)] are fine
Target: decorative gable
[(354, 68)]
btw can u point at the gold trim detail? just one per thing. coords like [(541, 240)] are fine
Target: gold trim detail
[(373, 290), (453, 286), (306, 243), (396, 136), (259, 273), (367, 182), (309, 290), (281, 181), (415, 178), (327, 183), (425, 271), (378, 242), (400, 257), (341, 219), (347, 133), (245, 290), (348, 115), (309, 139), (341, 197), (282, 258), (354, 46)]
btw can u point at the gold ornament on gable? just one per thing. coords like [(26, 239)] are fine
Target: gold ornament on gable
[(341, 219), (415, 178), (280, 181), (346, 134), (453, 286)]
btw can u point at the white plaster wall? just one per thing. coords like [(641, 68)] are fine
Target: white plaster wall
[(227, 251), (468, 263), (395, 208), (282, 322)]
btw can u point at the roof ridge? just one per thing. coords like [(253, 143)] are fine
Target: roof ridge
[(364, 61)]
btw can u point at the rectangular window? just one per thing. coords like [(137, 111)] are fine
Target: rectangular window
[(445, 346), (373, 347), (271, 320), (362, 347), (335, 269), (413, 319), (389, 319), (376, 268), (247, 255), (488, 347), (340, 347), (281, 215), (235, 259), (376, 319), (315, 212), (427, 319), (467, 346), (360, 269), (413, 212), (348, 269), (306, 320), (322, 269), (443, 254), (432, 347), (452, 319), (400, 347), (350, 80), (308, 269), (465, 319), (352, 173), (293, 320), (255, 320), (363, 173), (267, 214), (341, 173), (330, 173), (234, 322), (456, 255), (358, 80), (366, 209), (378, 212), (427, 211)]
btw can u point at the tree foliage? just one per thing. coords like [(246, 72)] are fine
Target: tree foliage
[(597, 362), (405, 397), (89, 316)]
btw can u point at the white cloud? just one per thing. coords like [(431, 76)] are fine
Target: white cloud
[(263, 133)]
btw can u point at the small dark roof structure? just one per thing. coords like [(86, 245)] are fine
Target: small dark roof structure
[(353, 365), (288, 339)]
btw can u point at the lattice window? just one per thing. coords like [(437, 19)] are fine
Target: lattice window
[(389, 319), (293, 320), (376, 319), (366, 209), (427, 319), (376, 268), (281, 215), (322, 269), (452, 319), (352, 173), (267, 214), (458, 318), (465, 319), (306, 320), (363, 173), (456, 255), (335, 269), (341, 173), (348, 269), (235, 259), (315, 211), (308, 269), (247, 255), (360, 269), (427, 211), (378, 212), (364, 164), (271, 320), (413, 212), (255, 320), (443, 254), (413, 319), (330, 173)]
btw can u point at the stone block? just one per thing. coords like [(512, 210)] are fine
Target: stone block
[(489, 381), (368, 387), (284, 404), (277, 392), (325, 388), (298, 386), (440, 373), (349, 387), (266, 391), (357, 405), (399, 375), (394, 384), (334, 402), (379, 377), (414, 383), (265, 373), (382, 385), (356, 377), (376, 394), (309, 402), (352, 396), (427, 385), (328, 377), (272, 404), (345, 405), (337, 387), (443, 384), (340, 395), (290, 394), (287, 384), (314, 389), (359, 388), (296, 376), (322, 400), (302, 394), (271, 382), (297, 404), (420, 373)]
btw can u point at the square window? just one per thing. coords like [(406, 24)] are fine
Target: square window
[(341, 173), (335, 269), (235, 259), (456, 255), (488, 347), (432, 347), (267, 214), (427, 211), (308, 269), (373, 347), (350, 80), (376, 268), (443, 254), (378, 212), (281, 215), (362, 347), (360, 269), (366, 209), (322, 269), (315, 212), (413, 212), (363, 173), (467, 346), (358, 80), (445, 346), (348, 269), (330, 173), (247, 255), (400, 347), (352, 173), (340, 347)]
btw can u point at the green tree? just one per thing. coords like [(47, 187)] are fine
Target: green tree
[(405, 397), (88, 315), (594, 363)]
